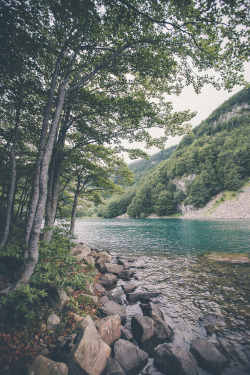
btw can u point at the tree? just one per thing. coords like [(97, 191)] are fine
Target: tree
[(96, 45)]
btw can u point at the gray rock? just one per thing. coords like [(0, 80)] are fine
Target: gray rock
[(109, 328), (112, 308), (152, 310), (131, 359), (207, 355), (44, 366), (103, 257), (128, 288), (80, 251), (124, 263), (108, 279), (58, 297), (149, 333), (113, 268), (175, 360), (100, 289), (140, 296), (125, 274), (115, 298), (89, 353), (113, 368), (89, 260), (126, 334), (139, 265), (53, 321), (103, 299)]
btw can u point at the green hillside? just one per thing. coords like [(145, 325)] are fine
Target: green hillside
[(214, 158)]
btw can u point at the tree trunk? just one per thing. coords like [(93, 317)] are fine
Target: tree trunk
[(11, 193), (73, 214)]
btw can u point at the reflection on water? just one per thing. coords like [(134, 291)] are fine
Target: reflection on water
[(203, 294)]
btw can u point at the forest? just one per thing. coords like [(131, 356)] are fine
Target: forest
[(216, 155)]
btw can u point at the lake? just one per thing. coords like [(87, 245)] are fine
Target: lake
[(200, 267)]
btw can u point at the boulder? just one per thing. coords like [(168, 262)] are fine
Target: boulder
[(207, 355), (103, 257), (53, 321), (94, 254), (80, 251), (114, 297), (149, 333), (140, 296), (89, 353), (89, 260), (131, 359), (113, 268), (128, 288), (100, 289), (109, 328), (112, 308), (113, 368), (139, 265), (108, 279), (175, 360), (125, 274), (103, 300), (130, 260), (93, 248), (126, 334), (44, 366), (58, 297), (124, 263), (152, 310)]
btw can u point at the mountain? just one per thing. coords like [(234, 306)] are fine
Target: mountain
[(213, 159)]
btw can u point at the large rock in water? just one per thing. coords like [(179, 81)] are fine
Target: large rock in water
[(44, 366), (113, 268), (207, 355), (112, 308), (90, 353), (152, 310), (140, 296), (174, 360), (103, 257), (131, 359), (109, 328), (149, 333)]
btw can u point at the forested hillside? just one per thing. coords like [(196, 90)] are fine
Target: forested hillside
[(214, 158)]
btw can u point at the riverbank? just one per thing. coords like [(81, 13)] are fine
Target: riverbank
[(119, 342)]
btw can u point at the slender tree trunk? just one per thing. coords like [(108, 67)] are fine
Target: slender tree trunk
[(22, 197), (73, 213), (11, 194), (33, 254), (27, 193)]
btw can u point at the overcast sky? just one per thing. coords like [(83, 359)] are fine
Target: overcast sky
[(204, 104)]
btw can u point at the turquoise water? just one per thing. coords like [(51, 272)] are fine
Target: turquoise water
[(201, 270), (166, 236)]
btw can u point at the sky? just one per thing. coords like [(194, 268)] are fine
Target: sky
[(204, 104)]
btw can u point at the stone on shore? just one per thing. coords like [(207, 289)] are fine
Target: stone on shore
[(108, 279), (113, 268), (140, 296), (125, 274), (89, 353), (80, 252), (152, 310), (45, 366), (149, 333), (123, 262), (100, 289), (128, 288), (112, 308), (126, 334), (131, 359), (207, 355), (103, 257), (113, 368), (109, 328), (174, 360), (53, 321)]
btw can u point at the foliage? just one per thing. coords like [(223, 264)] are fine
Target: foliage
[(216, 156)]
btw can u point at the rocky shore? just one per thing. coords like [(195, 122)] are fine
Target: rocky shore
[(105, 346)]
